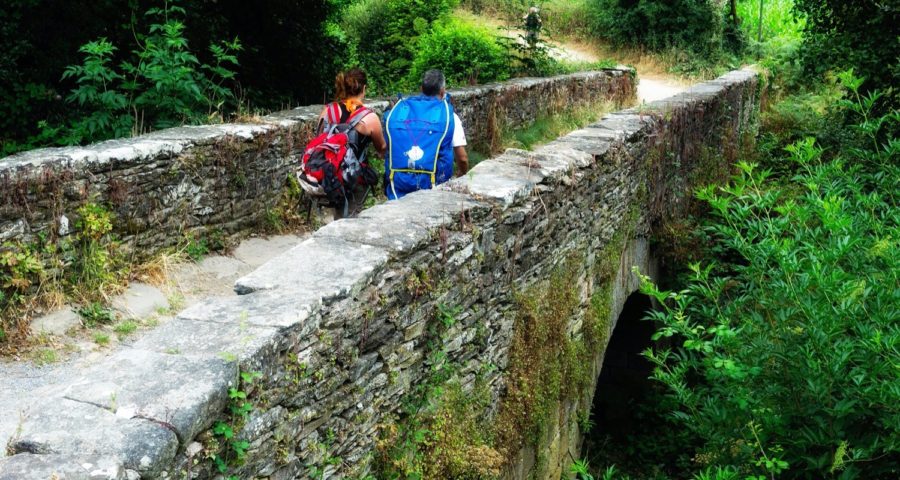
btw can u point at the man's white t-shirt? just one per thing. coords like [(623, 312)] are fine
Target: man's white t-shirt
[(459, 134)]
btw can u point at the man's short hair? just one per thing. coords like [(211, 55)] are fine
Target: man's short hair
[(433, 82)]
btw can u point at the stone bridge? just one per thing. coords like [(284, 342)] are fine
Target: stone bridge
[(522, 265)]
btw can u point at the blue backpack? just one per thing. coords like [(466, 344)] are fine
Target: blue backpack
[(419, 135)]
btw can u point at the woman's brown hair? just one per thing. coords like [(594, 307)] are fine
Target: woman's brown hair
[(349, 83)]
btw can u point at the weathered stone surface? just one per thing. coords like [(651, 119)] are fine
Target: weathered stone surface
[(403, 225), (210, 338), (499, 180), (220, 266), (62, 426), (255, 251), (182, 393), (329, 268), (60, 467), (56, 323), (140, 301)]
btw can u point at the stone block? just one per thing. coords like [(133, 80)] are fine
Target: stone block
[(241, 341), (257, 251), (26, 466), (281, 309), (400, 226), (56, 323), (329, 268), (501, 180), (183, 393), (62, 426)]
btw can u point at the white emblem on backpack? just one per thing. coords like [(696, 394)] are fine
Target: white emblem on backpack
[(415, 153)]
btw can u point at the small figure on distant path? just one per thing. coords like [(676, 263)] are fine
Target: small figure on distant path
[(424, 136)]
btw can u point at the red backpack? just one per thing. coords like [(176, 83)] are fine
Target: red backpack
[(330, 166)]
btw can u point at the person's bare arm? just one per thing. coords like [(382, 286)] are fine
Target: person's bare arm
[(462, 160), (371, 126)]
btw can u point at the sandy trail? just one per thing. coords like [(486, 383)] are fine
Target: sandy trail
[(651, 88)]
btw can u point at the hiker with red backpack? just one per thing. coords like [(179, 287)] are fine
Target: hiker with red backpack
[(334, 163), (424, 136)]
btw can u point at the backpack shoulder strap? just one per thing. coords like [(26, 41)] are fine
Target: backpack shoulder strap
[(332, 117), (357, 117)]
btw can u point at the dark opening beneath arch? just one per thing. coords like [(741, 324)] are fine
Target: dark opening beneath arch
[(619, 411)]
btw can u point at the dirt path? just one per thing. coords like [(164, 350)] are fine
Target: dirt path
[(652, 84), (652, 88)]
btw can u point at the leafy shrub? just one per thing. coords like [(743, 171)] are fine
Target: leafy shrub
[(171, 85), (567, 17), (383, 36), (20, 270), (109, 115), (95, 313), (164, 85), (862, 34), (659, 25), (467, 54), (95, 264), (775, 43), (786, 348), (292, 61)]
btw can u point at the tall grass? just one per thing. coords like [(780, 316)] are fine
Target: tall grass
[(781, 36), (567, 18), (779, 23)]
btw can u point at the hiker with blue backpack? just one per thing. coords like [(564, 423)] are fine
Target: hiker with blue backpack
[(424, 136)]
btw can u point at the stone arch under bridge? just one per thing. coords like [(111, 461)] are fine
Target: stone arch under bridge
[(339, 328)]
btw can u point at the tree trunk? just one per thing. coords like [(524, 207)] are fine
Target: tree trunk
[(734, 17)]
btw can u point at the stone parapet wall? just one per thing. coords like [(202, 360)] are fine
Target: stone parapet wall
[(340, 326), (222, 179)]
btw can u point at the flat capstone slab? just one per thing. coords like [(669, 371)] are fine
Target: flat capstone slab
[(324, 268), (551, 163), (400, 226), (63, 426), (182, 393), (502, 179), (240, 341), (26, 466)]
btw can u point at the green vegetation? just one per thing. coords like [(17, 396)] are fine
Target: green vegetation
[(468, 53), (441, 432), (374, 27), (123, 329), (146, 72), (548, 366), (171, 60), (778, 345), (45, 356), (223, 446), (83, 268), (847, 33), (95, 313), (550, 127), (162, 84), (694, 25)]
